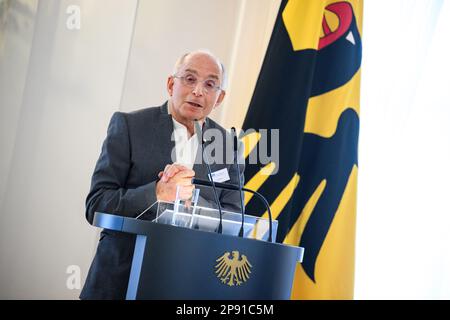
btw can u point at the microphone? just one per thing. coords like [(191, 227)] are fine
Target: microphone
[(235, 159), (199, 132), (228, 186)]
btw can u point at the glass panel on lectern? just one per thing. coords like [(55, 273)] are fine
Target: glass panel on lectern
[(188, 215)]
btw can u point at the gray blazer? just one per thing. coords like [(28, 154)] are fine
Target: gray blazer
[(137, 147)]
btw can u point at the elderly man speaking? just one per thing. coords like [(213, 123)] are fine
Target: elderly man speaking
[(136, 166)]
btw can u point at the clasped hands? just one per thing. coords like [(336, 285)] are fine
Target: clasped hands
[(175, 175)]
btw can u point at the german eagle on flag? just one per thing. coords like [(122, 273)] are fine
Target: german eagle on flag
[(308, 89)]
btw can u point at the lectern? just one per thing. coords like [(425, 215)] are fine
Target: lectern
[(179, 254)]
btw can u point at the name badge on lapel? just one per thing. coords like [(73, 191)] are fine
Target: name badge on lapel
[(220, 175)]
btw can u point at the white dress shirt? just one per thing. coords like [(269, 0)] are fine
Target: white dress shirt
[(185, 147)]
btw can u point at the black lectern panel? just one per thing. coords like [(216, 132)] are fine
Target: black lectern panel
[(179, 263)]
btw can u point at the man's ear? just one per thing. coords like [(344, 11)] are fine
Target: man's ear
[(220, 99), (170, 85)]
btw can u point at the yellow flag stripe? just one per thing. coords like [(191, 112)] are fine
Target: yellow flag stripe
[(294, 235), (283, 198), (335, 268), (323, 111), (276, 207), (250, 141), (303, 15), (258, 180)]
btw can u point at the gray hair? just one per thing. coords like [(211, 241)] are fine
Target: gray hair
[(181, 60)]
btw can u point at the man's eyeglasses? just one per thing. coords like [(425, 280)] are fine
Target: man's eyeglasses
[(208, 85)]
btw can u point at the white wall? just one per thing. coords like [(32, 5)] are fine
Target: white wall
[(403, 217), (57, 114), (58, 90)]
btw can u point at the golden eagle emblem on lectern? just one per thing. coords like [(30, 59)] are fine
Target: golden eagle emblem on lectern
[(233, 271)]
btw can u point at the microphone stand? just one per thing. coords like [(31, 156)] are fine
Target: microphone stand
[(216, 197), (227, 186), (235, 159)]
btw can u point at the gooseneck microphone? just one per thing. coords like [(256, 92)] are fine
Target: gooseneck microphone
[(227, 186), (199, 132), (235, 160)]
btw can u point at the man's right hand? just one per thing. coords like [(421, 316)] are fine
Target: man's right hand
[(175, 175)]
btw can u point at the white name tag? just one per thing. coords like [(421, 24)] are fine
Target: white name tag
[(221, 175)]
